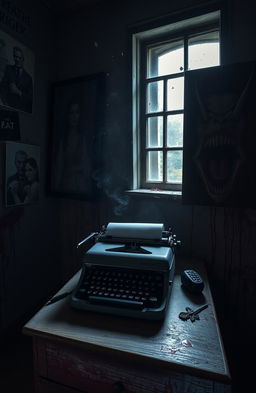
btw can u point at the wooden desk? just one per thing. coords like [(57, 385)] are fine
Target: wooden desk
[(78, 351)]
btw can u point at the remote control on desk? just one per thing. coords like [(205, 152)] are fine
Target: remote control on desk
[(192, 281)]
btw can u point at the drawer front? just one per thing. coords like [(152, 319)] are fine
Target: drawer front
[(95, 371), (44, 386), (47, 386), (98, 371)]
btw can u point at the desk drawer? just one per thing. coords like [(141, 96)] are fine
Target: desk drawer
[(45, 386), (99, 371), (95, 372)]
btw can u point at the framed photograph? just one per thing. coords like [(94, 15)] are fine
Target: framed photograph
[(22, 173), (77, 113), (16, 74)]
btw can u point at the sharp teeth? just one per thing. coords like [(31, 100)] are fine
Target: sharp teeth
[(218, 140)]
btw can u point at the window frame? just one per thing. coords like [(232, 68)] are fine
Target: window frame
[(202, 23)]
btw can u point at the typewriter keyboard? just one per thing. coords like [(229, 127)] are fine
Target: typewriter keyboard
[(121, 287)]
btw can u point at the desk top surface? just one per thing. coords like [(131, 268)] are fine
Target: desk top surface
[(189, 347)]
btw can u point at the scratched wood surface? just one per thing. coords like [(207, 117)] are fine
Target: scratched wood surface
[(99, 371), (193, 348)]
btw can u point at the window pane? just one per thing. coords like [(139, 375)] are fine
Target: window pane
[(175, 94), (155, 97), (155, 166), (174, 167), (166, 59), (204, 51), (175, 130), (155, 131)]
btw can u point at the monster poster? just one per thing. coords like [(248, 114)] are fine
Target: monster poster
[(220, 136)]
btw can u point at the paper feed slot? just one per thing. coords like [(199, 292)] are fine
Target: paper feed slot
[(136, 231)]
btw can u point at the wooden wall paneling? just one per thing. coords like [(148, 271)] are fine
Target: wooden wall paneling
[(77, 220)]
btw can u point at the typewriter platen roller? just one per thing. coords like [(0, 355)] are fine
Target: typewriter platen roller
[(128, 271)]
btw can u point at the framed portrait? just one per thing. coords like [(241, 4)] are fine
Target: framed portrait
[(75, 153), (16, 74), (22, 173)]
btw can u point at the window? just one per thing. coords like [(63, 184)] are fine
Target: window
[(161, 58)]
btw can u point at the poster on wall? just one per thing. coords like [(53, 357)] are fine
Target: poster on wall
[(77, 113), (22, 173), (9, 125), (219, 136), (16, 74)]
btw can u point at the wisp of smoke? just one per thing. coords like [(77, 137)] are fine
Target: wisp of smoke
[(112, 192)]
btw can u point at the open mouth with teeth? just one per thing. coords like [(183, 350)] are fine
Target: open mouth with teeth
[(222, 121), (219, 158)]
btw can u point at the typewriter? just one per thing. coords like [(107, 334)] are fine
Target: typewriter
[(128, 271)]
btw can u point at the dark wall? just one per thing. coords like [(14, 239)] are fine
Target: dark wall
[(37, 242), (29, 245), (97, 40)]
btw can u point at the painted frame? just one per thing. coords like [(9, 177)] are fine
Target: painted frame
[(75, 154)]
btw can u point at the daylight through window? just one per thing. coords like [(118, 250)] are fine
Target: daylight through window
[(161, 62)]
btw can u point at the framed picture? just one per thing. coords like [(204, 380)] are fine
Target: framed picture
[(16, 74), (219, 136), (22, 173), (77, 112)]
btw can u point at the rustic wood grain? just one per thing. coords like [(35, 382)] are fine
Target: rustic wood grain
[(186, 347), (97, 372)]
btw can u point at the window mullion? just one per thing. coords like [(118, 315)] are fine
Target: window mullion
[(186, 53), (164, 131), (143, 119)]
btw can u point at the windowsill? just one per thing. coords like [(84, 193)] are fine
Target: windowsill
[(156, 193)]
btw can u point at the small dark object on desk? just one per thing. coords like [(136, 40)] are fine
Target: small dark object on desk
[(192, 281), (58, 297), (191, 314)]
